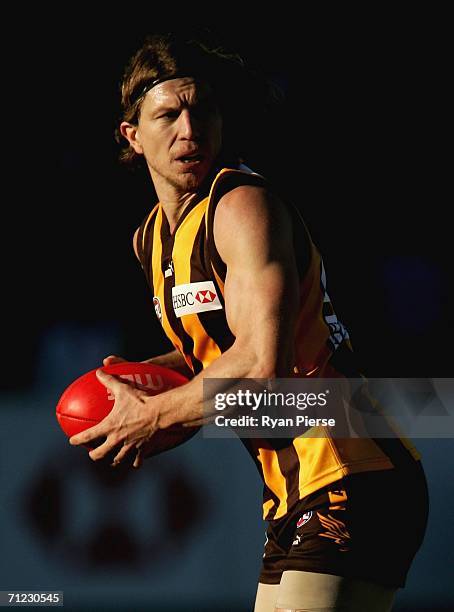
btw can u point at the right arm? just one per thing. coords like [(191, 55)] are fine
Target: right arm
[(173, 360)]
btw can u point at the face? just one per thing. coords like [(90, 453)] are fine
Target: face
[(179, 133)]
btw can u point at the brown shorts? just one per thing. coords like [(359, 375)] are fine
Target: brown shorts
[(367, 526)]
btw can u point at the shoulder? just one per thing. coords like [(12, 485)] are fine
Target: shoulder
[(255, 206), (251, 221)]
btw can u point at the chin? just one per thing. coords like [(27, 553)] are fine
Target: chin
[(191, 181)]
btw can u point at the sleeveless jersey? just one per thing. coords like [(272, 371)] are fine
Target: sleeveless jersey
[(186, 276)]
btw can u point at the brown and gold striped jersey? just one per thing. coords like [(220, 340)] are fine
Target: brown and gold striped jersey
[(186, 276)]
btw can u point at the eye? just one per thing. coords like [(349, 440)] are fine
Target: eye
[(169, 115)]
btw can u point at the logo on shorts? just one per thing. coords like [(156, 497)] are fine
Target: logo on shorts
[(304, 519), (157, 307), (335, 530)]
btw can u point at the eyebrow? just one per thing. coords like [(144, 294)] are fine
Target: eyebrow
[(200, 98), (164, 108)]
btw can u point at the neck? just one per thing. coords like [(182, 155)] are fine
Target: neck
[(172, 199), (173, 207)]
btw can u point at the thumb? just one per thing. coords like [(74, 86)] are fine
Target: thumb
[(111, 359)]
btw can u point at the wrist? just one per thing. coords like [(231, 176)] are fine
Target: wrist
[(163, 406), (179, 406)]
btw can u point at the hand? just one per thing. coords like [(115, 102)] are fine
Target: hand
[(132, 421)]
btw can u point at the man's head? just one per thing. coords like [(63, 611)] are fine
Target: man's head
[(174, 94), (178, 131)]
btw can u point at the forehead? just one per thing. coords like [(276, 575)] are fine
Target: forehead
[(176, 91)]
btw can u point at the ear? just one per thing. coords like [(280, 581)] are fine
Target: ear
[(130, 132)]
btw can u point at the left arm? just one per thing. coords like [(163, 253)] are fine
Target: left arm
[(253, 235)]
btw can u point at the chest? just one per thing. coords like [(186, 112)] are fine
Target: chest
[(182, 277)]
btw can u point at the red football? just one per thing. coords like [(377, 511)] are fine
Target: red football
[(87, 401)]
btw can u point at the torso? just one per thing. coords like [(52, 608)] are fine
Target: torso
[(186, 276)]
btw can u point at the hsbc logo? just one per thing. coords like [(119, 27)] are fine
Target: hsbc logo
[(193, 298), (205, 296)]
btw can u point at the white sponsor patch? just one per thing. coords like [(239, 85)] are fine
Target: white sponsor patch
[(193, 298)]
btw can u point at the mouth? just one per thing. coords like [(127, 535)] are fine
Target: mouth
[(195, 158)]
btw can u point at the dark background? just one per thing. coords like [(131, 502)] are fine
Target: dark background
[(359, 147)]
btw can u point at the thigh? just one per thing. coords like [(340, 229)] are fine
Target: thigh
[(309, 591), (265, 600)]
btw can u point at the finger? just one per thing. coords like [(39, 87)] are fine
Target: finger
[(122, 454), (97, 431), (111, 359), (109, 381), (101, 451), (138, 460)]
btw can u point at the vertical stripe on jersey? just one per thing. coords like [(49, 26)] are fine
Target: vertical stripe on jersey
[(271, 501), (146, 231), (210, 268), (267, 508), (204, 348), (187, 342), (217, 264), (158, 282), (145, 237), (311, 330), (290, 467), (274, 479), (215, 327), (317, 457)]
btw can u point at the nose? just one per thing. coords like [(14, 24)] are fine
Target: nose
[(189, 128)]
